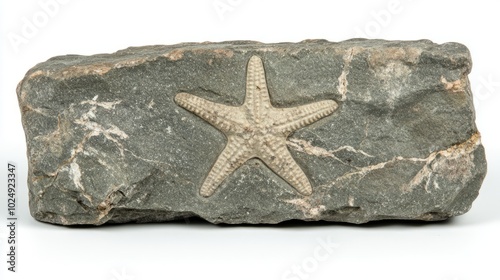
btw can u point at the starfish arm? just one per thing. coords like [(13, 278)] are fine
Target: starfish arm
[(291, 119), (257, 100), (223, 117), (233, 156), (279, 160)]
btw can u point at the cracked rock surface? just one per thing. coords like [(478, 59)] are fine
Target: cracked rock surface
[(106, 142)]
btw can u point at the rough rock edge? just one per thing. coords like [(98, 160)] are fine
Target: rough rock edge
[(99, 64)]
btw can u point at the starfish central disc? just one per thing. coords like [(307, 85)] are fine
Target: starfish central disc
[(256, 129)]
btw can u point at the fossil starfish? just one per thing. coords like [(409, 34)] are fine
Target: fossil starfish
[(256, 129)]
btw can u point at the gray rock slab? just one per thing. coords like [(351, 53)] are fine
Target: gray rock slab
[(107, 142)]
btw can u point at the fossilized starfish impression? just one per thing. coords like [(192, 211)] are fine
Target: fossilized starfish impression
[(256, 129)]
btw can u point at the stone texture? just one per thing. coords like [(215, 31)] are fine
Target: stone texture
[(107, 143)]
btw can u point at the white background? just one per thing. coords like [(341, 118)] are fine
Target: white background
[(466, 247)]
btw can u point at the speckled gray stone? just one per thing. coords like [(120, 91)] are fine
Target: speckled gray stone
[(106, 142)]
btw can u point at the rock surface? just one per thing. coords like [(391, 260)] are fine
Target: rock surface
[(107, 143)]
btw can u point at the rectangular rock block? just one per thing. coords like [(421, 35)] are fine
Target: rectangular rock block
[(246, 132)]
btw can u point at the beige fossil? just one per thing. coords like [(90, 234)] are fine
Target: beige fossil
[(256, 129)]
